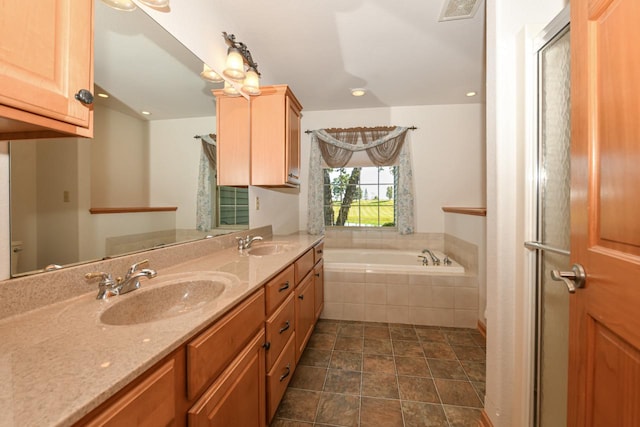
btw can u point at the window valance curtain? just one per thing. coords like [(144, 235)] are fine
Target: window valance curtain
[(384, 146), (204, 204)]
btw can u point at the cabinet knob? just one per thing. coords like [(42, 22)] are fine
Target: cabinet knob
[(84, 96), (317, 274), (301, 296), (266, 345)]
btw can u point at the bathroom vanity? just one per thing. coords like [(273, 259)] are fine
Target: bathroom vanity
[(225, 359)]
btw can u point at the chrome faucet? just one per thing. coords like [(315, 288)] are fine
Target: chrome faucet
[(108, 287), (247, 241), (434, 259), (131, 280)]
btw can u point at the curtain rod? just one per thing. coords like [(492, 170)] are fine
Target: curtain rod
[(310, 131), (210, 135)]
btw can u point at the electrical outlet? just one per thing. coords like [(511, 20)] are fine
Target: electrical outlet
[(65, 196), (257, 203)]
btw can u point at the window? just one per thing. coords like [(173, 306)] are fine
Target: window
[(233, 206), (360, 196)]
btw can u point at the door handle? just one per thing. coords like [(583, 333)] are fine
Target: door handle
[(574, 279)]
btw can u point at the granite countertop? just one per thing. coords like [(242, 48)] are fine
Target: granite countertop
[(59, 362)]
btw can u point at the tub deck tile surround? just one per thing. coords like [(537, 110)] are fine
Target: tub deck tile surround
[(58, 361), (435, 299)]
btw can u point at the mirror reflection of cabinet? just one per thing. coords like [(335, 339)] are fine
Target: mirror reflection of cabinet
[(270, 155), (46, 60)]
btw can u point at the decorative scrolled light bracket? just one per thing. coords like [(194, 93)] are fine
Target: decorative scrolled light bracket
[(230, 39)]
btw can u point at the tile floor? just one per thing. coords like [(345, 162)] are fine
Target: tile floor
[(386, 375)]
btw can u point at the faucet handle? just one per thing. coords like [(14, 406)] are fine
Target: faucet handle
[(105, 278), (240, 243), (135, 266)]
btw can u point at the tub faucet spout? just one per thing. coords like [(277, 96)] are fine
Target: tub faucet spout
[(434, 259)]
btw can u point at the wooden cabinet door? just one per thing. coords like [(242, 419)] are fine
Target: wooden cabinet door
[(46, 58), (305, 313), (150, 403), (292, 142), (238, 397), (604, 344), (233, 144), (318, 288)]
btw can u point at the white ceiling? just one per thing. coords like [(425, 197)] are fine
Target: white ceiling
[(398, 51)]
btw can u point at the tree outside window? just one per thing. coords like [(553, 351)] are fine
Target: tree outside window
[(360, 196)]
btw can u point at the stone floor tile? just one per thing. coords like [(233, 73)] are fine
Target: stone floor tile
[(412, 366), (299, 405), (308, 378), (418, 389), (346, 360), (379, 385), (380, 413), (339, 381), (420, 414), (378, 363), (339, 410), (458, 393)]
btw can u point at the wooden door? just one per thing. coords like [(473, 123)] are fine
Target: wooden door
[(604, 354)]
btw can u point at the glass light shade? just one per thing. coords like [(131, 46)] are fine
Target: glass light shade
[(229, 90), (235, 65), (155, 3), (251, 84), (210, 75), (125, 5)]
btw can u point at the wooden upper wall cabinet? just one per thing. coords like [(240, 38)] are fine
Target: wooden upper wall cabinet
[(275, 137), (259, 140), (46, 58)]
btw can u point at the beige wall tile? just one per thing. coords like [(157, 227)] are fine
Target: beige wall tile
[(420, 296), (353, 293), (466, 298), (397, 314), (375, 312), (397, 294), (441, 317), (375, 293), (352, 311), (333, 292), (442, 297), (332, 310), (466, 318)]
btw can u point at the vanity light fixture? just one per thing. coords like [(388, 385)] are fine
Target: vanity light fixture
[(358, 92), (470, 94), (240, 67), (230, 90), (210, 75), (125, 5)]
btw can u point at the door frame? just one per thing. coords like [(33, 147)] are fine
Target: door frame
[(531, 343)]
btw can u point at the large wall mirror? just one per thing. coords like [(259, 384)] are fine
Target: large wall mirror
[(133, 161)]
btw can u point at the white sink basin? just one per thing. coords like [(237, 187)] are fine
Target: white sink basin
[(269, 248), (172, 296)]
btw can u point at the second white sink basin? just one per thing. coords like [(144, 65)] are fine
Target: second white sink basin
[(173, 296)]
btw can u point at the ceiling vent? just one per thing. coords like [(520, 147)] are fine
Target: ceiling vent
[(459, 9)]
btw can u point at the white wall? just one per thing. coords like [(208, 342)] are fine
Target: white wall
[(119, 153), (510, 128), (173, 144), (278, 208), (447, 151)]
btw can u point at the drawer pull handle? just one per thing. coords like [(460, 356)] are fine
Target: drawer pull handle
[(286, 374), (284, 287), (286, 326), (317, 274), (319, 251), (301, 296)]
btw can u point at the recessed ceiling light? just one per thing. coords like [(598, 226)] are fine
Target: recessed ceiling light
[(103, 95), (358, 92), (471, 94), (146, 113)]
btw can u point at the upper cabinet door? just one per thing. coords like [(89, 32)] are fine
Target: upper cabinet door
[(46, 58)]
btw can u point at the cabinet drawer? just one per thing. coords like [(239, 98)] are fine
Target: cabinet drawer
[(150, 403), (303, 265), (210, 352), (279, 376), (317, 252), (238, 397), (279, 328), (279, 288)]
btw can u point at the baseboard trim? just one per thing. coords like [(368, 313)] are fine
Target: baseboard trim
[(482, 328), (484, 420)]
